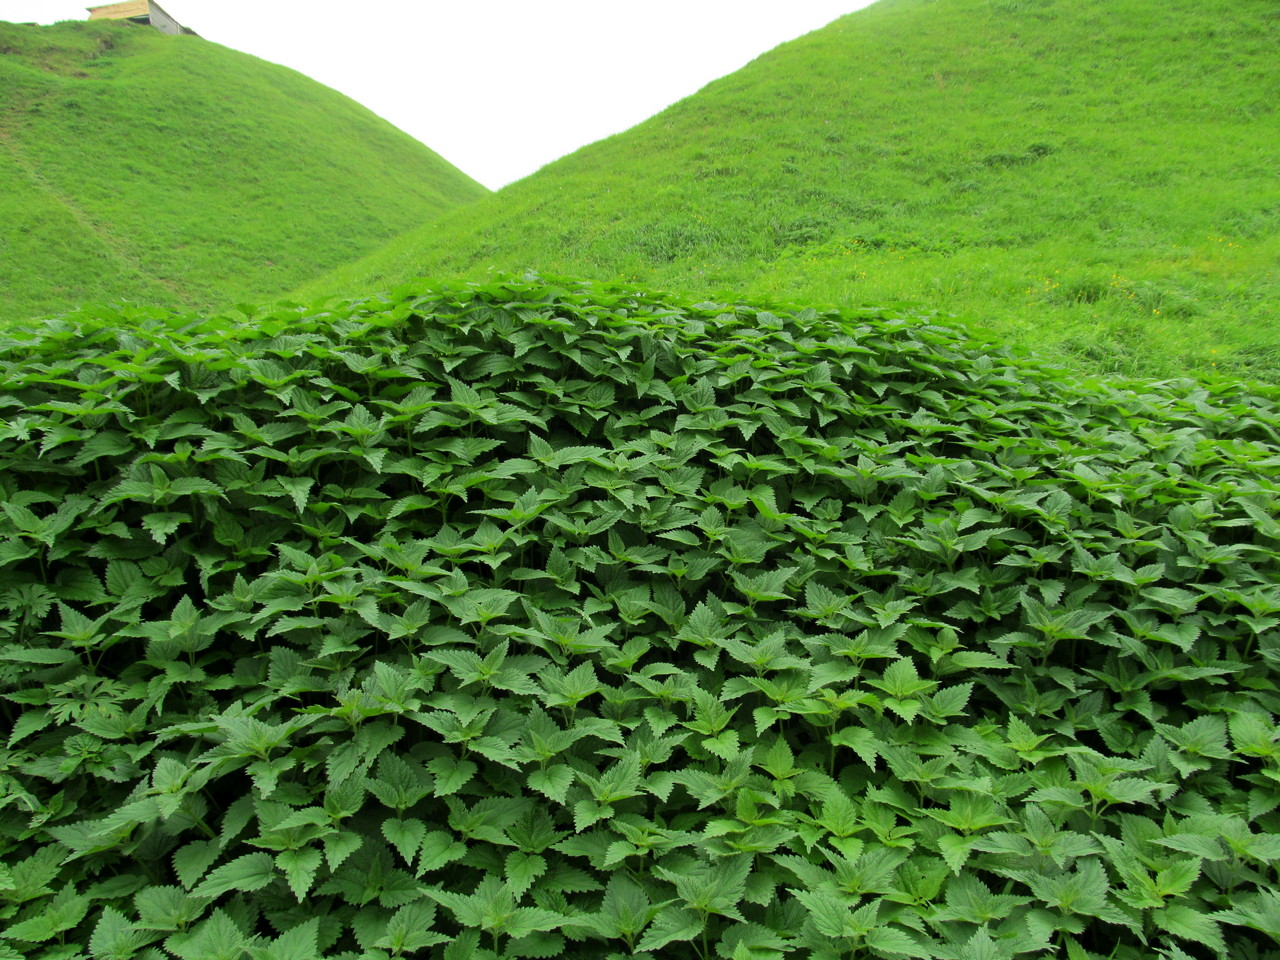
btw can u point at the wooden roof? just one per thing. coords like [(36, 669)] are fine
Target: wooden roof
[(121, 11)]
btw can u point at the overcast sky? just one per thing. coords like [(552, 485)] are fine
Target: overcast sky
[(498, 87)]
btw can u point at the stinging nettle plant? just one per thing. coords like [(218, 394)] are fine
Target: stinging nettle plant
[(544, 619)]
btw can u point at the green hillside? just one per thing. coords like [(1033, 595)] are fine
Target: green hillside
[(1097, 179), (174, 171)]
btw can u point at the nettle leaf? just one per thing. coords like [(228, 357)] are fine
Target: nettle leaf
[(1254, 735), (248, 873), (1188, 923), (451, 774), (861, 741), (217, 938), (439, 849), (525, 921), (671, 925), (554, 782), (897, 942), (408, 930), (115, 937), (166, 908), (162, 525), (297, 943), (969, 812), (1205, 846), (752, 941), (1258, 912), (833, 917), (1202, 737), (522, 869), (769, 585), (405, 836), (192, 860), (299, 868), (625, 910), (587, 812), (58, 914), (401, 783), (341, 845), (901, 681), (955, 850), (713, 888), (492, 909), (949, 701)]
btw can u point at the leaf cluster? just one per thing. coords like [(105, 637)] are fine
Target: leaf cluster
[(534, 619)]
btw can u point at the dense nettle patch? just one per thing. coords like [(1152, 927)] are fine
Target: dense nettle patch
[(526, 620)]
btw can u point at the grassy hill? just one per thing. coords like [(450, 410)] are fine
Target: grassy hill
[(1097, 179), (174, 171)]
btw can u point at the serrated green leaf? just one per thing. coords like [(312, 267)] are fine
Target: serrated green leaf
[(163, 525), (522, 869), (217, 938), (115, 937), (451, 774), (955, 850), (1188, 923), (296, 943), (409, 929), (554, 782), (405, 836), (251, 872), (438, 850), (192, 860), (339, 846), (58, 914), (893, 942), (831, 917), (671, 925), (299, 867)]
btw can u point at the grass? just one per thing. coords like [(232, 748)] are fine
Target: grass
[(1213, 304), (1095, 181), (176, 172)]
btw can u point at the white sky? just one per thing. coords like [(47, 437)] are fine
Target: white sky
[(498, 87)]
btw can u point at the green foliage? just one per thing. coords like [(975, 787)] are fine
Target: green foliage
[(537, 620), (175, 172), (1093, 179)]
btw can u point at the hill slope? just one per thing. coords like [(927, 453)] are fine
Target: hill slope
[(1097, 178), (175, 171)]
